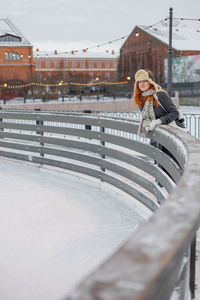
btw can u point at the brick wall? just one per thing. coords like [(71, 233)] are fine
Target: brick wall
[(16, 69), (145, 51)]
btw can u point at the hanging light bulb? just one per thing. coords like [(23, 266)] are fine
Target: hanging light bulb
[(198, 21), (166, 21), (181, 20), (150, 27), (137, 34)]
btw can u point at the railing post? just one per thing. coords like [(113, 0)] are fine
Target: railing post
[(39, 131), (102, 143), (87, 111), (192, 267)]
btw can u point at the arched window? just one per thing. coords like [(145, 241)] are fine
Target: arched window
[(99, 76), (91, 76), (12, 56), (115, 76), (107, 76)]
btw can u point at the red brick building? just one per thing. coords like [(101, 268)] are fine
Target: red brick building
[(77, 66), (16, 57), (148, 48)]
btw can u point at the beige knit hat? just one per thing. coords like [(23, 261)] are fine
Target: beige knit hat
[(143, 75)]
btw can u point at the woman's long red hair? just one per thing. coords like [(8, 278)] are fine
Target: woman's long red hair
[(139, 100)]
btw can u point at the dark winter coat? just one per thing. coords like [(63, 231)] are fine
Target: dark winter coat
[(168, 113)]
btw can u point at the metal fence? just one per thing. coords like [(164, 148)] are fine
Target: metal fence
[(156, 262), (192, 121)]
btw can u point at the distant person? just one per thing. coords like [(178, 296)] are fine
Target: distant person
[(155, 104)]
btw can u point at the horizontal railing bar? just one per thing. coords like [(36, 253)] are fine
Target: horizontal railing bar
[(72, 167), (143, 165), (149, 203), (72, 155), (71, 119), (17, 126), (71, 131), (22, 147), (134, 177), (20, 156), (148, 150), (71, 144), (130, 127), (166, 140), (18, 116), (20, 136)]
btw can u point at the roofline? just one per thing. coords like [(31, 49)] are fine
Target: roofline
[(157, 38), (16, 45), (71, 57)]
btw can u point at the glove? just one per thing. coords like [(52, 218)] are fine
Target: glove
[(154, 123)]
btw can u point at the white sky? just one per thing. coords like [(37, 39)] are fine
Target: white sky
[(77, 24)]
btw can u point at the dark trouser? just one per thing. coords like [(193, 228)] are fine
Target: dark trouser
[(163, 149)]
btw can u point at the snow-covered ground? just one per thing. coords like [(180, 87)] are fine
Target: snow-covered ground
[(55, 228)]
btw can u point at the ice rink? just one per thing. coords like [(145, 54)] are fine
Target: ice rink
[(55, 228)]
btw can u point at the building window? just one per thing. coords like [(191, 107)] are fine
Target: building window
[(90, 64), (107, 64), (99, 76), (10, 38), (82, 64), (74, 64), (91, 76), (56, 64), (115, 76), (107, 76), (65, 64), (99, 64), (38, 64), (115, 64), (47, 64), (12, 56)]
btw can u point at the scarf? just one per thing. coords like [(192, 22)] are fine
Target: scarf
[(148, 93), (148, 114)]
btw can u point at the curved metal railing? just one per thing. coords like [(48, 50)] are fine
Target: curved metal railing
[(156, 257)]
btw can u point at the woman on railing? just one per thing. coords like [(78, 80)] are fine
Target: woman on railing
[(155, 104)]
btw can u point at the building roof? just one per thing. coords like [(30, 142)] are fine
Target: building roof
[(76, 55), (185, 36), (9, 29)]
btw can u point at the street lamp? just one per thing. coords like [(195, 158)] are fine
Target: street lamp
[(169, 75)]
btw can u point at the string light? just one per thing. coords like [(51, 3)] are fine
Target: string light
[(5, 85)]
